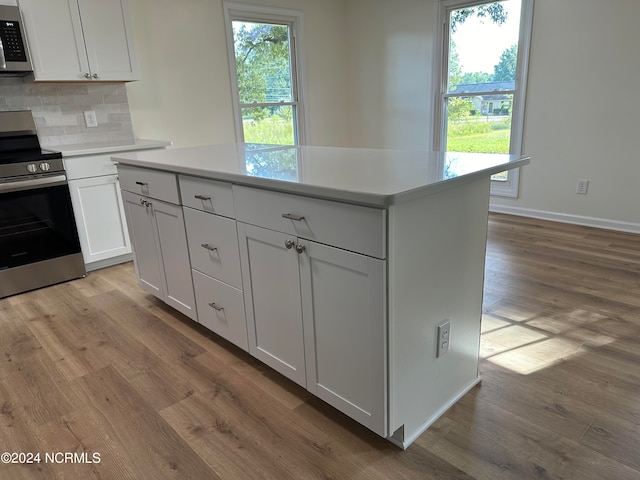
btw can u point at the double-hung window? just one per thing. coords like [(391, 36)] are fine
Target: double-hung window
[(482, 80), (264, 60)]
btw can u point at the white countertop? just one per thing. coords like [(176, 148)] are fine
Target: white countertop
[(78, 149), (364, 176)]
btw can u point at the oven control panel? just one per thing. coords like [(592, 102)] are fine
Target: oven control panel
[(30, 169)]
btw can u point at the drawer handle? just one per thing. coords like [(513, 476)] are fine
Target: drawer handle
[(216, 307), (209, 247), (142, 184), (293, 216), (202, 197)]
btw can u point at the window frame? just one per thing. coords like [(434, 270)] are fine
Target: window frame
[(508, 188), (262, 14)]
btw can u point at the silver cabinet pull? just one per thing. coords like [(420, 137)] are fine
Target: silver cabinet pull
[(209, 247), (145, 203), (216, 307), (142, 184), (289, 244), (202, 197), (293, 216), (300, 248), (87, 75), (95, 75)]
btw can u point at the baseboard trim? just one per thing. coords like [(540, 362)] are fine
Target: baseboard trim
[(566, 218), (404, 443), (109, 262)]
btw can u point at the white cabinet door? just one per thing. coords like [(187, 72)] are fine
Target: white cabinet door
[(97, 206), (271, 282), (344, 329), (74, 40), (108, 38), (147, 258), (174, 252), (56, 42), (160, 251)]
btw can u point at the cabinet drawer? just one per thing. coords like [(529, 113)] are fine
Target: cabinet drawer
[(86, 166), (351, 227), (206, 195), (221, 309), (152, 183), (213, 245)]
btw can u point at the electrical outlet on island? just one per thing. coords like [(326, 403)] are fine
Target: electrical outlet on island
[(444, 338)]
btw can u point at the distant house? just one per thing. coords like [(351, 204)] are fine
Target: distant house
[(487, 98)]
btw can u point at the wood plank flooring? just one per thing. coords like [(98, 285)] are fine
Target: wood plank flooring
[(97, 366)]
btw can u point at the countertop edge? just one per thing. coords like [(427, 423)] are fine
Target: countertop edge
[(358, 198), (139, 144)]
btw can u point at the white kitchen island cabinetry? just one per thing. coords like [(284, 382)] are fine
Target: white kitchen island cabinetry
[(156, 227), (315, 312), (80, 40), (215, 261), (351, 259)]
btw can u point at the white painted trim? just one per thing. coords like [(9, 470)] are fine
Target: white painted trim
[(595, 222), (508, 188), (405, 442), (108, 262)]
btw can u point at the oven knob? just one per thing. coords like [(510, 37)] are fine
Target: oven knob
[(31, 168), (45, 167)]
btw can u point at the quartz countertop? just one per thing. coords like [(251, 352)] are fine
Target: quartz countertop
[(371, 177), (79, 149)]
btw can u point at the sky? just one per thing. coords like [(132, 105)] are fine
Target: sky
[(479, 45)]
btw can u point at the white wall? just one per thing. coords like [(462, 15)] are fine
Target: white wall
[(184, 94), (583, 114), (390, 72)]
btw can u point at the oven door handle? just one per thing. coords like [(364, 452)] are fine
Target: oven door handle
[(28, 184)]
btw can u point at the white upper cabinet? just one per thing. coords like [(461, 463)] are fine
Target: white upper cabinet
[(80, 40)]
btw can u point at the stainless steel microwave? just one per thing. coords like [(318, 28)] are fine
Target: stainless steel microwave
[(14, 52)]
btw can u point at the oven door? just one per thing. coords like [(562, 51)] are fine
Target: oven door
[(38, 238)]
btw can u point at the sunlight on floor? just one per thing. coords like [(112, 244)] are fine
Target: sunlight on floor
[(526, 342)]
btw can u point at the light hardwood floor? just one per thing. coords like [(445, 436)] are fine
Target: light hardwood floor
[(97, 366)]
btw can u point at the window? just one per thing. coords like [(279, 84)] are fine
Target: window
[(482, 84), (264, 63)]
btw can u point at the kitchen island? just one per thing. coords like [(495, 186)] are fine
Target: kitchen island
[(356, 273)]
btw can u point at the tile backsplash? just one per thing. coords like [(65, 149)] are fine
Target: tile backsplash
[(58, 110)]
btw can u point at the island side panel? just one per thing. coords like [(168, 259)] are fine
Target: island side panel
[(437, 246)]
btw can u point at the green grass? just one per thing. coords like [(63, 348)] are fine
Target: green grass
[(272, 130), (474, 136), (481, 137)]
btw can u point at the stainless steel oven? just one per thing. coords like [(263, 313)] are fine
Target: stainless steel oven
[(39, 243)]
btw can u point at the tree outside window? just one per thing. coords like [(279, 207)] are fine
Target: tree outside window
[(264, 74)]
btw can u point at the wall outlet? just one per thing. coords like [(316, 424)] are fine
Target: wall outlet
[(90, 119), (582, 187), (444, 338)]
